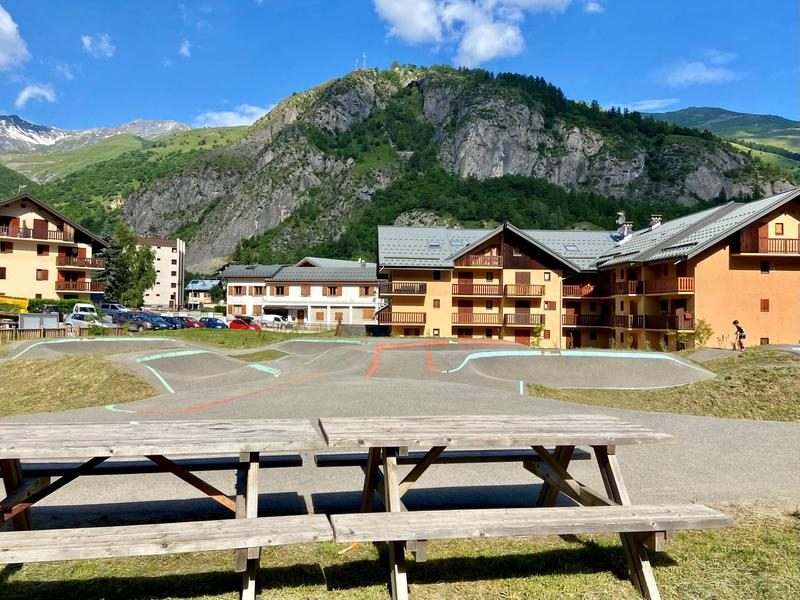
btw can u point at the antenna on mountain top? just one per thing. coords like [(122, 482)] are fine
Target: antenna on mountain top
[(364, 60), (355, 65)]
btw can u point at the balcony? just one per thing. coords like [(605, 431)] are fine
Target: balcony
[(85, 287), (400, 288), (476, 289), (586, 291), (36, 234), (400, 318), (626, 288), (674, 285), (628, 321), (76, 262), (480, 261), (669, 322), (575, 320), (751, 243), (476, 318), (524, 291), (523, 320)]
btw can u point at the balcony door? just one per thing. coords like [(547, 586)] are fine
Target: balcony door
[(40, 229), (465, 283), (464, 306), (522, 278), (522, 336), (522, 307)]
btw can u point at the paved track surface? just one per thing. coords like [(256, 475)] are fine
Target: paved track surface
[(712, 461)]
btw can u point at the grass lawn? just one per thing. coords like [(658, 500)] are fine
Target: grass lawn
[(232, 338), (761, 383), (261, 356), (48, 385), (757, 558)]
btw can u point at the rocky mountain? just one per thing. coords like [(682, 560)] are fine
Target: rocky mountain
[(310, 171), (18, 135)]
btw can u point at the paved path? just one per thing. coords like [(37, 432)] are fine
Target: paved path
[(712, 461)]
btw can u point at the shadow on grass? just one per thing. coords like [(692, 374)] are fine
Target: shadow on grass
[(589, 558)]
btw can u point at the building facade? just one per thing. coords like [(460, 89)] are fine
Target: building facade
[(43, 254), (169, 264), (198, 293), (653, 288), (246, 287)]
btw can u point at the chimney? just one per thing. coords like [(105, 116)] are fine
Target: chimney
[(627, 229), (655, 221)]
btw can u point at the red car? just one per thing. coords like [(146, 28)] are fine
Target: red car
[(242, 324), (190, 322)]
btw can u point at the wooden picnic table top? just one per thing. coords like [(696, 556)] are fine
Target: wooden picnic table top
[(142, 438), (484, 431)]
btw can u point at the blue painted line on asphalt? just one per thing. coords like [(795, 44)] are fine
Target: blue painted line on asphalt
[(163, 381), (494, 354), (171, 355), (113, 408), (521, 388), (100, 339), (267, 369)]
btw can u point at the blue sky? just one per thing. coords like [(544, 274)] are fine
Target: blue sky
[(90, 63)]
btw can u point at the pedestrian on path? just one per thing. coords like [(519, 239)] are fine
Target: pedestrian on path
[(740, 336)]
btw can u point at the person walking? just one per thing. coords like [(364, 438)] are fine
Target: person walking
[(740, 336)]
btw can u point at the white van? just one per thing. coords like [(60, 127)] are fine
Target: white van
[(82, 308), (277, 321)]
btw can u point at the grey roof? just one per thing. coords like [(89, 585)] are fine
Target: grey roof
[(364, 274), (580, 247), (201, 285), (424, 247), (58, 215), (329, 262), (266, 271)]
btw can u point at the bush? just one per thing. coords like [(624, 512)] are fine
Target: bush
[(97, 330), (35, 304)]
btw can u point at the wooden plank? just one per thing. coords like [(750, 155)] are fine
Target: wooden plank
[(548, 494), (139, 438), (12, 481), (22, 493), (163, 538), (370, 479), (248, 591), (420, 468), (501, 455), (552, 473), (193, 480), (484, 431), (397, 548), (509, 522), (240, 556)]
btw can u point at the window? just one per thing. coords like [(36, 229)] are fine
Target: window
[(435, 333), (592, 306), (437, 303), (2, 272), (622, 306), (305, 290), (765, 267), (174, 250), (622, 274), (367, 313), (42, 250), (764, 341), (489, 305), (546, 334), (174, 273), (547, 275), (320, 316), (258, 290), (549, 305), (339, 316), (516, 251), (39, 296), (489, 277), (487, 333), (280, 290), (765, 305), (778, 228), (6, 247), (367, 290), (173, 285), (41, 275), (437, 275), (236, 290), (174, 261)]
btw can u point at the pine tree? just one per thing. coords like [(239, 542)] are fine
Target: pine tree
[(129, 268)]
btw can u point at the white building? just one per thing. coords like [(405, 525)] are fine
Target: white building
[(169, 260), (246, 288), (198, 293)]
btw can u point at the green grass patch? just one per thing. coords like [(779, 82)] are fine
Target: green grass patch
[(757, 558), (50, 385), (761, 383), (261, 356), (231, 338)]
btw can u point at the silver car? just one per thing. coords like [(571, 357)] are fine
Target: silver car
[(86, 320)]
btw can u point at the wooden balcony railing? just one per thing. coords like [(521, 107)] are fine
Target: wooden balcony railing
[(401, 318), (629, 321), (751, 243), (80, 286), (476, 289), (80, 263), (477, 260), (475, 318), (523, 319), (575, 320), (627, 288), (36, 234), (524, 290), (586, 291), (403, 288), (669, 322), (669, 286)]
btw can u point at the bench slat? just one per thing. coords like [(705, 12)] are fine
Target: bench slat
[(163, 538), (477, 523), (358, 459)]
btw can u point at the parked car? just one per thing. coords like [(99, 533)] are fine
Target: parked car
[(86, 320), (177, 321), (162, 321), (113, 307), (53, 309), (242, 324), (277, 321), (133, 320), (213, 323), (190, 322), (84, 308)]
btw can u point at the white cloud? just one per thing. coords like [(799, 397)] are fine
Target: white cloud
[(693, 73), (13, 51), (99, 46), (185, 49), (594, 6), (35, 91), (478, 30), (720, 57), (66, 71), (645, 105), (244, 114)]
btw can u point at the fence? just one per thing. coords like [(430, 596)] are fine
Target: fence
[(13, 335)]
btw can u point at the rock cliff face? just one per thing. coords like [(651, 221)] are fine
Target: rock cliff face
[(255, 184)]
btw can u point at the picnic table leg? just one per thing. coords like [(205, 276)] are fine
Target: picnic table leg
[(246, 561), (635, 554), (370, 479), (11, 471), (549, 492), (397, 549)]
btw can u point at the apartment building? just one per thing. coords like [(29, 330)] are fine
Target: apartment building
[(639, 288), (246, 287), (44, 254), (198, 293), (169, 264)]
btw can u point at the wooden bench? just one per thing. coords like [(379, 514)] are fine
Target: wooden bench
[(156, 539), (398, 528), (521, 455)]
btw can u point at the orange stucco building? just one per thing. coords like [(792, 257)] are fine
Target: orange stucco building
[(652, 287)]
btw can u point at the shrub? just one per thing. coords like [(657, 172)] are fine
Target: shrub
[(35, 304)]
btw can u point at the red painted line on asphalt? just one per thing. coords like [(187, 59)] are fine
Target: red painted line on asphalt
[(430, 363), (378, 349), (198, 407)]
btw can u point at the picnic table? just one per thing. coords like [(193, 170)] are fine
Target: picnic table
[(386, 438), (159, 442)]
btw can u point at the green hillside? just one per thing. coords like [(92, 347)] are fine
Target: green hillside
[(10, 182)]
